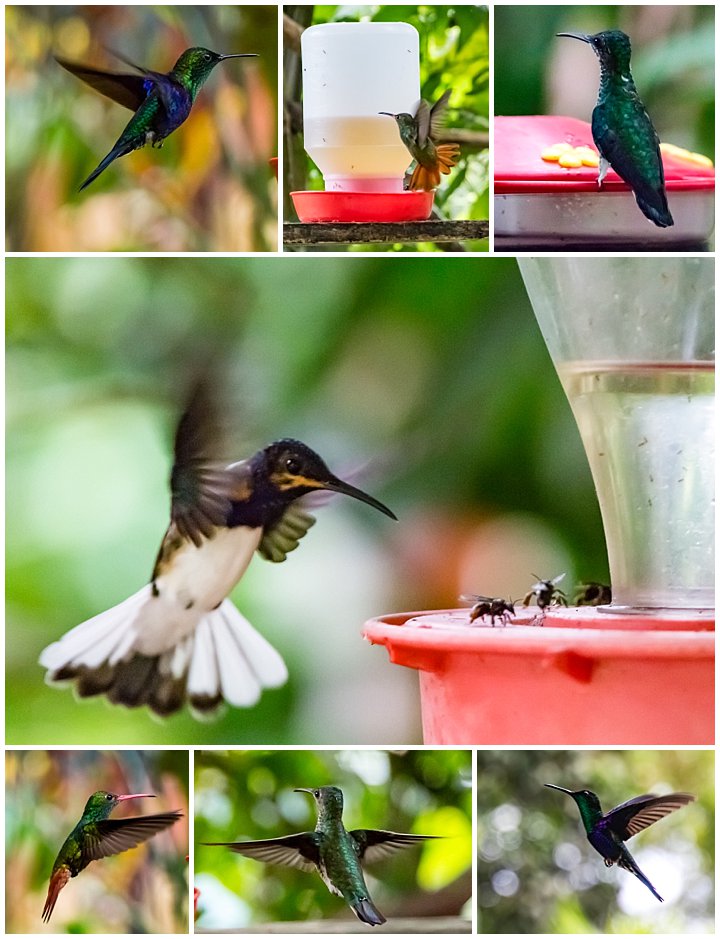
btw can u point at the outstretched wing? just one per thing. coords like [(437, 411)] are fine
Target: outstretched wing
[(639, 813), (114, 835), (125, 89), (299, 851), (437, 114), (372, 845), (422, 119), (202, 487)]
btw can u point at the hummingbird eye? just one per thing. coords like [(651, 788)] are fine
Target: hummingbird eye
[(108, 797), (207, 57), (292, 465)]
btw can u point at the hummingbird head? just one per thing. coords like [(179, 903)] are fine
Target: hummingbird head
[(101, 803), (586, 801), (612, 47), (294, 470), (329, 801), (195, 65), (404, 120)]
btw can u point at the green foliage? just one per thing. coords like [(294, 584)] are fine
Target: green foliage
[(538, 874), (141, 890), (248, 795)]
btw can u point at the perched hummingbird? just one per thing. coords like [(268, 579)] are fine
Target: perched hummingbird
[(161, 101), (179, 637), (606, 833), (419, 133), (96, 836), (622, 129), (335, 853)]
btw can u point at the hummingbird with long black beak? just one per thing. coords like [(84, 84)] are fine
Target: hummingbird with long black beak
[(97, 836), (180, 638), (419, 133), (607, 833), (621, 128), (332, 851), (161, 101)]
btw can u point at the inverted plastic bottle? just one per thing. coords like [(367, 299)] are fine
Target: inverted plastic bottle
[(351, 71)]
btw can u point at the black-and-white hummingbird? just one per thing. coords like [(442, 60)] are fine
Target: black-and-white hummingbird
[(180, 638)]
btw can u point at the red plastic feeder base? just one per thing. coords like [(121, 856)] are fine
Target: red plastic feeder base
[(322, 206), (582, 678)]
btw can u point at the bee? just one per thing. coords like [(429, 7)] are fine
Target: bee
[(592, 594), (494, 607), (546, 593)]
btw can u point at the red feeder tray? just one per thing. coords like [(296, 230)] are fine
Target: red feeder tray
[(322, 206), (542, 203)]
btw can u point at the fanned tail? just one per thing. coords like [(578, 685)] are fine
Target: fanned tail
[(57, 881), (424, 177), (121, 148), (223, 659), (367, 912)]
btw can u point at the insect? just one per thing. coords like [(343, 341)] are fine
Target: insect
[(546, 593), (494, 607), (592, 594)]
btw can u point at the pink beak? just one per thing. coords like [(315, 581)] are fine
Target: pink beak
[(140, 795)]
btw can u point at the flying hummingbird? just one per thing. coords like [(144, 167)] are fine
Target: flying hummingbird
[(419, 133), (161, 101), (335, 853), (180, 637), (607, 833), (96, 836), (622, 130)]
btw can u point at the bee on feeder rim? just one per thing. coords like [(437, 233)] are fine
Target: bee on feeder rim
[(494, 607), (546, 593), (592, 594)]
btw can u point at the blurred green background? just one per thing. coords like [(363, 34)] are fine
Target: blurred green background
[(210, 187), (248, 795), (433, 372), (537, 873), (673, 64), (144, 890), (454, 53)]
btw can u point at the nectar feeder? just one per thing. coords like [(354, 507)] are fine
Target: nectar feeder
[(632, 341), (352, 72)]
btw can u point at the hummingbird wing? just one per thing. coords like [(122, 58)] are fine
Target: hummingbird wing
[(639, 813), (372, 844), (114, 835), (284, 536), (202, 488), (125, 89), (437, 113), (422, 119), (300, 851)]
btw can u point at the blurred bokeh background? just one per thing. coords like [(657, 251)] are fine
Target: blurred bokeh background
[(454, 53), (435, 373), (248, 795), (210, 188), (537, 873), (144, 890), (673, 64)]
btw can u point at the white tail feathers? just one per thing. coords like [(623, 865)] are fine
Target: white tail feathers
[(207, 660)]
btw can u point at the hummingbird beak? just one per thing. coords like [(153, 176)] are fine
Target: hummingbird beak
[(387, 113), (337, 485), (139, 795), (583, 37), (309, 791), (238, 55), (559, 788)]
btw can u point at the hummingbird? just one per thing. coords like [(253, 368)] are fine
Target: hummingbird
[(607, 833), (335, 853), (97, 836), (419, 133), (180, 637), (622, 130), (161, 101)]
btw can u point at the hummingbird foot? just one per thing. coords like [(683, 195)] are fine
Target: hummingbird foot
[(602, 170)]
